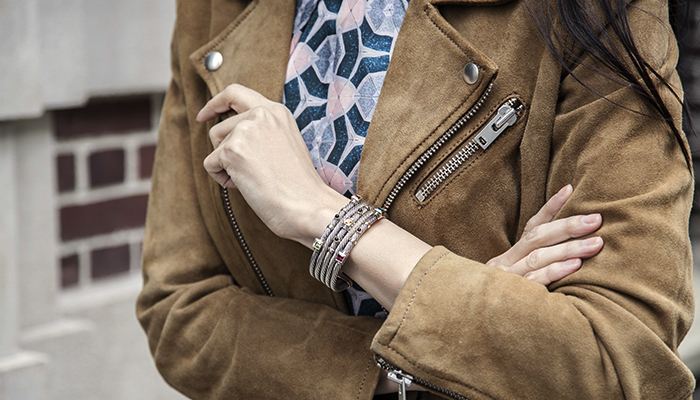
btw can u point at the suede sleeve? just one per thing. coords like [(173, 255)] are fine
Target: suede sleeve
[(214, 340), (610, 330)]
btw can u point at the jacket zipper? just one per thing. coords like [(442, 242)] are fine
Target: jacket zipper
[(507, 115), (241, 241), (404, 380), (434, 148)]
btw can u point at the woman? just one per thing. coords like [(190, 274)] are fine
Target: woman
[(231, 310)]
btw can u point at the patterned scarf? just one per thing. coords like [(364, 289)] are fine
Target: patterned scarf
[(338, 59)]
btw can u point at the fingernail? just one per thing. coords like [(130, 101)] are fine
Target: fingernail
[(563, 191), (594, 241), (572, 262), (199, 116), (591, 219)]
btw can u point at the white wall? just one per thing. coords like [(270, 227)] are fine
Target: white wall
[(58, 53), (83, 343)]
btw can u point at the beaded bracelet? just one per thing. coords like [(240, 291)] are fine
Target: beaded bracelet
[(344, 247), (325, 240), (338, 240), (336, 232), (333, 247)]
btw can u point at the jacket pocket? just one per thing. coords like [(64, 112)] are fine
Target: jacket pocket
[(507, 115)]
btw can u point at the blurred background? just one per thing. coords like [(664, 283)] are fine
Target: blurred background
[(81, 87)]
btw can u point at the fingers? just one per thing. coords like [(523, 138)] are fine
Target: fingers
[(554, 272), (543, 216), (235, 97), (551, 208), (218, 133), (248, 105), (548, 260), (549, 234), (219, 163), (544, 253), (214, 166)]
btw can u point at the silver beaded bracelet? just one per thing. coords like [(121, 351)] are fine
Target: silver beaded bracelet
[(325, 241), (333, 247)]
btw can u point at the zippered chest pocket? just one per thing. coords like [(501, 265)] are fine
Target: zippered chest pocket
[(506, 116)]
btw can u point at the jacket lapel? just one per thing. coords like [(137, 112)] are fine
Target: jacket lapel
[(424, 93), (254, 48)]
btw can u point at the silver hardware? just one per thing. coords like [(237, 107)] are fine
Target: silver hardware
[(471, 73), (443, 173), (381, 363), (506, 116), (213, 61), (404, 381), (434, 148), (242, 242)]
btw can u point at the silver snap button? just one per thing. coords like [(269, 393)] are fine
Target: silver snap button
[(213, 61), (471, 73)]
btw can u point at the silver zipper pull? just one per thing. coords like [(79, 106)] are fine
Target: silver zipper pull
[(404, 381), (507, 116)]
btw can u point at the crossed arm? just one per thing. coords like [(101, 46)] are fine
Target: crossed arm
[(260, 151)]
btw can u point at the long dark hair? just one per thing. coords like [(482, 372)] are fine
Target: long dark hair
[(600, 28)]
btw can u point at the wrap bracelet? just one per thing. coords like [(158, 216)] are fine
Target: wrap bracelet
[(325, 241), (331, 250)]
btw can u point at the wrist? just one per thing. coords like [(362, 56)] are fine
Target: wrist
[(317, 214)]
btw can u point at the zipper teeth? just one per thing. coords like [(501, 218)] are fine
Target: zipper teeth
[(452, 165), (244, 246), (434, 148), (462, 156), (439, 389), (388, 367)]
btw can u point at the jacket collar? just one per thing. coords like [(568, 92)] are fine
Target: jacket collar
[(423, 95), (255, 49)]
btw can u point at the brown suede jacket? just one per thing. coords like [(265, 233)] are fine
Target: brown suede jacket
[(231, 311)]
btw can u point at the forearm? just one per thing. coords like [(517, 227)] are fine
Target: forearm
[(387, 253), (384, 258), (381, 260), (484, 334)]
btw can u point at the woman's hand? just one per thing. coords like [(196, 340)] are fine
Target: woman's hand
[(261, 152), (543, 254)]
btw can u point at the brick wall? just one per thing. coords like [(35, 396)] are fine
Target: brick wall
[(104, 156)]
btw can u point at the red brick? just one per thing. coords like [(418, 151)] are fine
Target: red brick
[(104, 217), (70, 271), (109, 261), (114, 115), (65, 165), (146, 156), (106, 167)]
